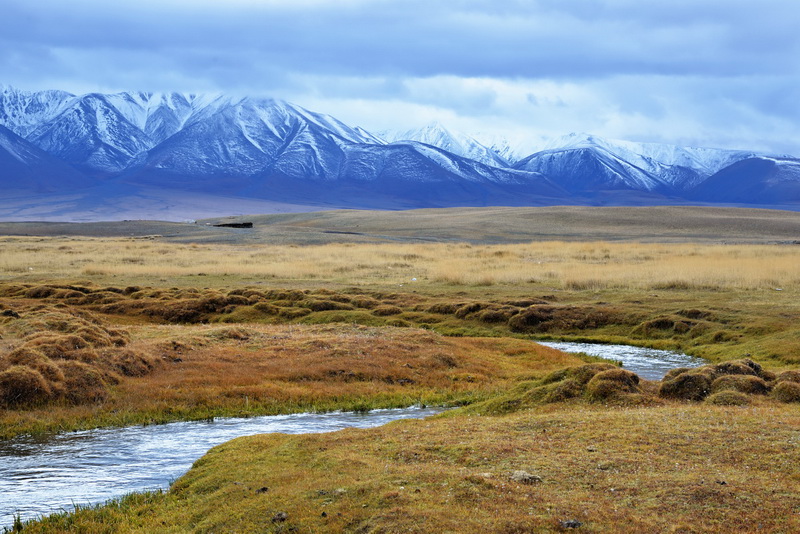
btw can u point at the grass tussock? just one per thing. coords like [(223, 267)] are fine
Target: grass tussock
[(743, 376), (594, 383), (61, 355), (787, 391), (729, 397)]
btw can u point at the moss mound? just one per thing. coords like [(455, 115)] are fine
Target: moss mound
[(786, 391), (83, 383), (745, 376), (29, 357), (594, 382), (385, 311), (788, 376), (748, 384), (686, 386), (612, 384), (66, 355), (728, 398)]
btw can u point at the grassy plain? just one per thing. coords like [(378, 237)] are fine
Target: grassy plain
[(378, 310)]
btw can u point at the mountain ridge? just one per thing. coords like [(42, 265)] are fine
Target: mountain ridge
[(95, 145)]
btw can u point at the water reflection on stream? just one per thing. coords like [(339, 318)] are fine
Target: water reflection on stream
[(47, 475), (651, 364)]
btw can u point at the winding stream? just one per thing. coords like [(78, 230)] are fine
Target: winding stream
[(651, 364), (43, 476)]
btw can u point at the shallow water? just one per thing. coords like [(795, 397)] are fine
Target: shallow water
[(48, 475), (651, 364)]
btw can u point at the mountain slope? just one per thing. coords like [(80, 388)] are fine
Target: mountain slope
[(245, 139), (758, 180), (582, 170), (656, 158), (586, 163), (92, 135), (26, 168), (22, 112)]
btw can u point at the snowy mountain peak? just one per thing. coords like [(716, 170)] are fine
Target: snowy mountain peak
[(652, 157), (22, 111), (435, 134)]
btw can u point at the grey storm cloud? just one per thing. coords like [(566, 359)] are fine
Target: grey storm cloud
[(615, 60), (533, 39)]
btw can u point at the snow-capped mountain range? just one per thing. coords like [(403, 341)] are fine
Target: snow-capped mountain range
[(104, 147)]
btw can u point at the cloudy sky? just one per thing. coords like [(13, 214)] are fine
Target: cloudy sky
[(722, 73)]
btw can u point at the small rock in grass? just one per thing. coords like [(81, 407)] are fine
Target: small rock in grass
[(571, 523), (280, 517), (523, 477)]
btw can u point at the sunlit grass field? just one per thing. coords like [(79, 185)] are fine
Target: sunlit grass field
[(558, 264)]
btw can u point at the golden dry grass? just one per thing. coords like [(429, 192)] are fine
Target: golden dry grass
[(568, 265)]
